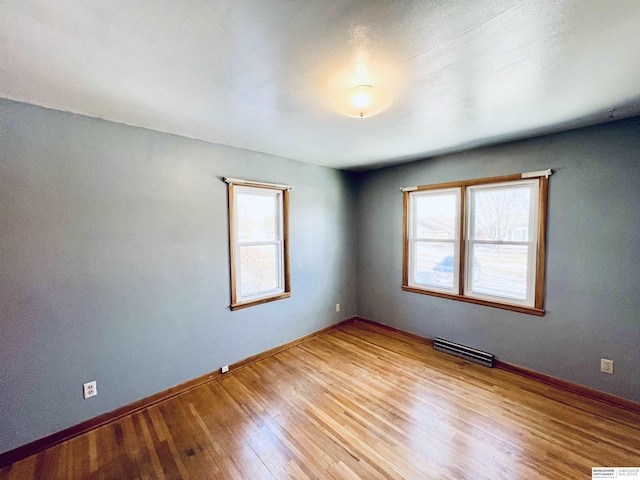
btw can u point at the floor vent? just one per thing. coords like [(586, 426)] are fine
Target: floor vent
[(468, 353)]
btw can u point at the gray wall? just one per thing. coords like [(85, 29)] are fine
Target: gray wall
[(114, 264), (593, 257)]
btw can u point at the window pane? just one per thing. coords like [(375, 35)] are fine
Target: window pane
[(435, 216), (434, 264), (499, 270), (258, 269), (257, 215), (501, 213)]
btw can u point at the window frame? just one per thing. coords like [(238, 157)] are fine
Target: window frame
[(539, 260), (414, 240), (281, 241)]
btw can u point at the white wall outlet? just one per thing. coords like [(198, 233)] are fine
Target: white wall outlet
[(337, 307), (606, 366), (90, 389), (224, 369)]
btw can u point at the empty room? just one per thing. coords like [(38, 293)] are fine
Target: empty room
[(346, 239)]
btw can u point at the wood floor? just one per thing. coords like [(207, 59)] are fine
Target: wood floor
[(356, 402)]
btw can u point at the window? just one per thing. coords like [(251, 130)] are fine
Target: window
[(258, 229), (480, 241)]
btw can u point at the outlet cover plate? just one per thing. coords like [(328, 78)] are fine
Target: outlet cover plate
[(90, 389), (606, 366)]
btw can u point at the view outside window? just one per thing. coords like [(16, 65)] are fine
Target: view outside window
[(259, 241), (500, 250), (435, 234)]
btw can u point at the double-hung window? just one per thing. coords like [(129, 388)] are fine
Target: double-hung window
[(259, 250), (480, 241), (435, 239)]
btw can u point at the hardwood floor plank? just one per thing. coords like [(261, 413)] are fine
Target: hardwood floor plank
[(227, 427), (152, 449), (274, 452), (359, 401)]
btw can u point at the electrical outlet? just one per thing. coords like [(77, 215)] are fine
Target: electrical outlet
[(224, 369), (90, 389), (606, 366), (337, 307)]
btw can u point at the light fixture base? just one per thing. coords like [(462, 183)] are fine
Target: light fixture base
[(362, 101)]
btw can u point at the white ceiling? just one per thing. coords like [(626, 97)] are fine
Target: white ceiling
[(261, 74)]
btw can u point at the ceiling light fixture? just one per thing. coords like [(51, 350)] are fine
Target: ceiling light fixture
[(362, 101)]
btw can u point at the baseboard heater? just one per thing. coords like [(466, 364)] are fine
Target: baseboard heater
[(462, 351)]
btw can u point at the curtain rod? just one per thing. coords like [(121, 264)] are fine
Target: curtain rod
[(539, 173), (249, 183)]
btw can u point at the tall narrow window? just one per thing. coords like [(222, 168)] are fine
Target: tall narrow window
[(258, 227), (501, 242), (435, 233), (480, 241)]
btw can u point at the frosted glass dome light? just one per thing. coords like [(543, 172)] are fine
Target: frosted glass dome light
[(362, 101)]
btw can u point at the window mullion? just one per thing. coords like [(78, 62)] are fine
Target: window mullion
[(502, 242), (259, 243), (462, 235), (435, 240)]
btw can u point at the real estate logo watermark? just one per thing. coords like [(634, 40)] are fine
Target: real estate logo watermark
[(627, 473)]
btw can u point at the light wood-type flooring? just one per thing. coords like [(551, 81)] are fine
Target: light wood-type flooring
[(356, 402)]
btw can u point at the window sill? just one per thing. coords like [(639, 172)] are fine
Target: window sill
[(260, 301), (504, 306)]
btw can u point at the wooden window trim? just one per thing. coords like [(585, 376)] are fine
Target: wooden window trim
[(235, 304), (543, 186), (477, 301), (241, 305)]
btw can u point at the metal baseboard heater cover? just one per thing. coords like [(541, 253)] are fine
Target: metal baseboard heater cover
[(462, 351)]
